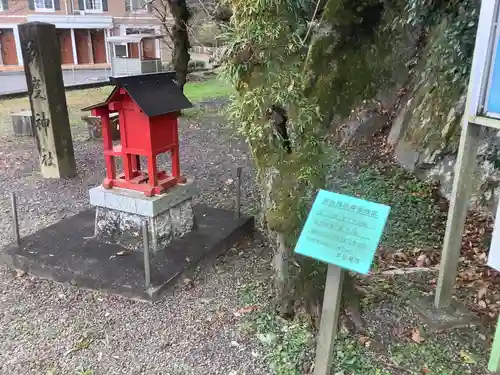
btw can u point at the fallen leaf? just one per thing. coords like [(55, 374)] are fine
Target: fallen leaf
[(418, 194), (466, 357), (245, 310), (188, 284), (20, 273), (425, 370), (421, 260), (398, 331), (400, 255), (482, 304), (123, 253), (363, 340), (415, 336), (482, 292)]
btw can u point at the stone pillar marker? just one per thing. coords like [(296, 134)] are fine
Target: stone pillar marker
[(42, 67)]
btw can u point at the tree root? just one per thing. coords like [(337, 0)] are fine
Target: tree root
[(351, 304), (351, 307)]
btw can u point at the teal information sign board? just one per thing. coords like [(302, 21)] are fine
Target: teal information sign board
[(343, 230)]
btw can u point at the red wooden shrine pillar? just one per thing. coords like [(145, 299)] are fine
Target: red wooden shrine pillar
[(103, 113), (126, 158), (176, 169)]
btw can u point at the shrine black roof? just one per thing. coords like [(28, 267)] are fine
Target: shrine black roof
[(156, 94)]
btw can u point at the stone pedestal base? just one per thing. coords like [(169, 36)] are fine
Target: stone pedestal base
[(120, 214)]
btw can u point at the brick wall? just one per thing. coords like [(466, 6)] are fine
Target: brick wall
[(21, 8)]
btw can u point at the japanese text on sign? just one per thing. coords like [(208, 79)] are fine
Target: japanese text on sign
[(343, 230)]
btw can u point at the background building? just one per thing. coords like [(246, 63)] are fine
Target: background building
[(83, 28)]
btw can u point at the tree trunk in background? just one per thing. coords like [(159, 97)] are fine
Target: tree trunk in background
[(180, 39)]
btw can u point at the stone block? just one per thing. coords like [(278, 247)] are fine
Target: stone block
[(22, 124), (121, 213), (135, 202), (182, 219)]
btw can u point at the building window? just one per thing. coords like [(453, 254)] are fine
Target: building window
[(121, 50), (137, 4), (44, 4), (93, 6), (139, 31)]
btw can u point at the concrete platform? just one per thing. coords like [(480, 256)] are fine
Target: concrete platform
[(67, 252)]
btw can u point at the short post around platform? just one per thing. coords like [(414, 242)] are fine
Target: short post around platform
[(147, 256), (238, 193), (15, 221)]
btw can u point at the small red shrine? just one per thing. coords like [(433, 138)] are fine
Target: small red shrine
[(148, 107)]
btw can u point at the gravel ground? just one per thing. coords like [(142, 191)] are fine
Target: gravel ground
[(48, 328)]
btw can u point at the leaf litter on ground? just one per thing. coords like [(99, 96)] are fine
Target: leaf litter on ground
[(477, 284)]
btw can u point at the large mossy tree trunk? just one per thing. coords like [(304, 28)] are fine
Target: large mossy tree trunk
[(327, 73)]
